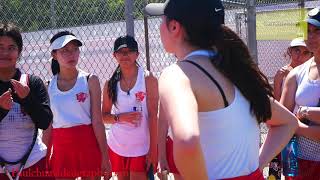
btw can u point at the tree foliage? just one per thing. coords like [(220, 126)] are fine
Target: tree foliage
[(34, 15)]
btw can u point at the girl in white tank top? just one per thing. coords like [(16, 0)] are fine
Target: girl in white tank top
[(214, 97), (301, 95), (130, 102), (78, 136)]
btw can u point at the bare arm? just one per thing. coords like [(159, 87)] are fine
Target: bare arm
[(282, 126), (289, 91), (313, 114), (46, 136), (152, 104), (278, 80), (179, 105), (288, 100), (98, 127), (310, 131), (107, 117), (106, 106), (162, 137)]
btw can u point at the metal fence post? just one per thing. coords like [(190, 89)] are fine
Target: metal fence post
[(302, 4), (146, 37), (251, 30), (53, 13), (129, 17)]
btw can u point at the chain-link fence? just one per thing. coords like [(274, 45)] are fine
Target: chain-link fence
[(271, 52), (97, 23)]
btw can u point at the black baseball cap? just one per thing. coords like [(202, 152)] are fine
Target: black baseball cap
[(314, 17), (125, 42), (189, 11)]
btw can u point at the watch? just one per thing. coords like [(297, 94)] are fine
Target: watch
[(304, 110), (116, 117)]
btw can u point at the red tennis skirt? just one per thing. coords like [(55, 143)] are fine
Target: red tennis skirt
[(75, 152), (308, 170), (123, 165)]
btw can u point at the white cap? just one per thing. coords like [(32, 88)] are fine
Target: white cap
[(60, 42), (298, 42)]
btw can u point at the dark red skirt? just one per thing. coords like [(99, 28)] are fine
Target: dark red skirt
[(75, 152), (308, 170)]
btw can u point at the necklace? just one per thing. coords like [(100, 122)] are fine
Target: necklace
[(128, 85)]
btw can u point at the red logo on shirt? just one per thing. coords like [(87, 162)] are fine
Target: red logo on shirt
[(81, 97), (140, 96)]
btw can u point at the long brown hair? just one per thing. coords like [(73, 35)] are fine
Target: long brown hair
[(235, 62)]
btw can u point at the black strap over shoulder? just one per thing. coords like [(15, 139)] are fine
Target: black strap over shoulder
[(226, 104), (88, 76)]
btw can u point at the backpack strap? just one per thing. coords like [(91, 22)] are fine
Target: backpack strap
[(88, 76), (226, 104)]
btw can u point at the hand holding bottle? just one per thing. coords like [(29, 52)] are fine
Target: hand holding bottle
[(130, 117)]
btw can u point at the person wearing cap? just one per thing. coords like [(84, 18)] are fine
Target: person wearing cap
[(21, 102), (214, 97), (298, 54), (301, 95), (130, 105), (78, 134)]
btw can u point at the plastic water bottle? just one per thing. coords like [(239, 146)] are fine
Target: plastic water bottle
[(289, 158), (138, 107)]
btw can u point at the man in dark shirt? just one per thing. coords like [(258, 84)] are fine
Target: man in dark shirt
[(35, 104), (24, 106)]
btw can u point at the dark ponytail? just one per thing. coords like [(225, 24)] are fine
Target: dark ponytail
[(55, 67), (112, 85), (234, 61), (237, 64)]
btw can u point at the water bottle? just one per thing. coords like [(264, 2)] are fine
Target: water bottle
[(138, 107), (289, 158)]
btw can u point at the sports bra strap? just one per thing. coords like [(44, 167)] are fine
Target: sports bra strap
[(226, 104)]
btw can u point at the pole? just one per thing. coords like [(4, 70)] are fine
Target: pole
[(53, 13), (129, 17), (251, 30)]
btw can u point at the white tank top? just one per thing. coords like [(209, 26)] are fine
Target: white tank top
[(70, 108), (124, 138), (13, 143), (230, 139), (307, 94)]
